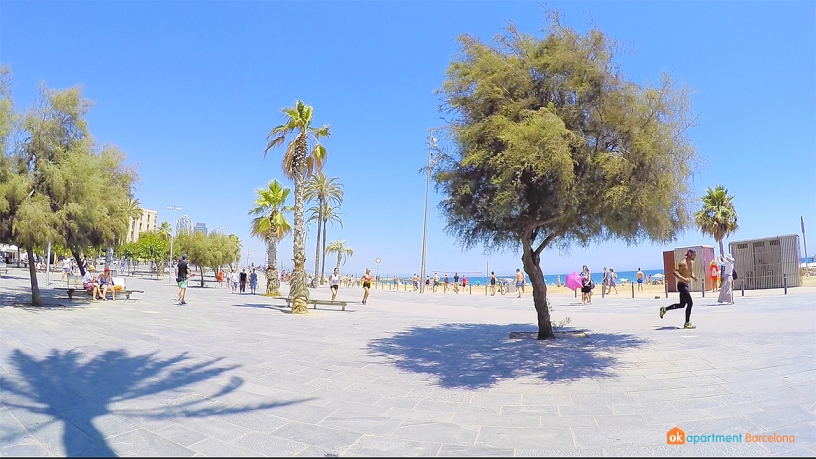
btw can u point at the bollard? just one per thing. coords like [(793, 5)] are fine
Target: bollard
[(742, 283), (633, 289), (703, 286), (666, 287), (576, 293), (785, 283), (603, 288)]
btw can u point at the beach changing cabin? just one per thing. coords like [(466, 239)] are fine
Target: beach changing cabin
[(705, 253), (762, 263)]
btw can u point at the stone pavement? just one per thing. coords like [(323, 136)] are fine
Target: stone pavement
[(404, 375)]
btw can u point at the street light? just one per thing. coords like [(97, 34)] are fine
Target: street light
[(431, 146), (172, 232)]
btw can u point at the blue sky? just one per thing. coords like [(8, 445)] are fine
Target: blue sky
[(189, 91)]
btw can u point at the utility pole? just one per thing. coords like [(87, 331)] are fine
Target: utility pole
[(804, 241), (431, 145)]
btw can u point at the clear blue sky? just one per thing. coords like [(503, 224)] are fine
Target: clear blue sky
[(189, 91)]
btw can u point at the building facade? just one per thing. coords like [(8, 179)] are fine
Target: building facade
[(200, 228), (146, 223), (184, 225)]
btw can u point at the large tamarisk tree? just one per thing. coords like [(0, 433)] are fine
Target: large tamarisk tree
[(552, 147)]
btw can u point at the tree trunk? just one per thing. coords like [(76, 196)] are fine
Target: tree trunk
[(32, 272), (78, 262), (201, 269), (532, 267), (272, 282), (317, 242), (722, 254), (339, 259), (323, 263), (298, 291)]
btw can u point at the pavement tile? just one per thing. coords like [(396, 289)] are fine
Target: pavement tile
[(483, 419), (373, 446), (588, 410), (351, 422), (623, 420), (567, 421), (143, 443), (582, 452), (525, 438), (535, 410), (420, 415), (28, 448), (180, 434), (436, 432), (473, 451), (213, 447), (317, 435)]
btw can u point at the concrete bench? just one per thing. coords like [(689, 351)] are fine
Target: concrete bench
[(314, 303)]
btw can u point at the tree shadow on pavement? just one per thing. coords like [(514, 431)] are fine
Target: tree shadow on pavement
[(481, 355), (74, 389)]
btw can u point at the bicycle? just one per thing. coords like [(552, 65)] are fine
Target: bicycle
[(502, 287)]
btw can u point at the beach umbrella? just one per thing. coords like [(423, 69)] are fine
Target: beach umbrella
[(657, 276), (574, 281)]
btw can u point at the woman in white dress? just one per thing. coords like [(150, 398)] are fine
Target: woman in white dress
[(726, 288)]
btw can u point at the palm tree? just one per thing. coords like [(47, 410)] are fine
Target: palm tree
[(270, 225), (717, 217), (343, 252), (164, 229), (133, 209), (324, 190), (303, 155), (323, 217)]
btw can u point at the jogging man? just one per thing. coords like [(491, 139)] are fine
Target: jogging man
[(182, 273), (684, 273)]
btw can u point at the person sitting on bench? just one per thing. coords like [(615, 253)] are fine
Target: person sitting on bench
[(105, 284), (88, 283)]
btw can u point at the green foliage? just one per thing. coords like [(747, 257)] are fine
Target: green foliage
[(552, 145), (153, 247), (717, 216), (207, 251), (340, 248)]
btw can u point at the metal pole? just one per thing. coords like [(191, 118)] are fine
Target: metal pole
[(804, 241), (425, 221), (48, 265), (174, 208), (742, 284), (666, 287), (633, 289), (785, 283)]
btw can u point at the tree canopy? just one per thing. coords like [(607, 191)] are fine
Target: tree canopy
[(552, 146), (717, 216)]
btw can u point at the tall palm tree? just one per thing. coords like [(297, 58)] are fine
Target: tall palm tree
[(343, 252), (717, 217), (270, 225), (304, 154), (323, 215), (324, 191)]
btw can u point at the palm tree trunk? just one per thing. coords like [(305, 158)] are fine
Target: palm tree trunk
[(298, 291), (339, 259), (317, 241), (721, 248), (323, 264), (272, 282)]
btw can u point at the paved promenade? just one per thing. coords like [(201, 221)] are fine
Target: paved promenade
[(405, 375)]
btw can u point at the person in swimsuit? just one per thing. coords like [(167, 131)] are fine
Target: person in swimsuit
[(519, 282), (366, 278), (613, 282), (639, 277), (334, 283), (684, 273)]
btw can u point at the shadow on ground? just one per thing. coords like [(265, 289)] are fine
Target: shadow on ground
[(479, 355), (75, 389)]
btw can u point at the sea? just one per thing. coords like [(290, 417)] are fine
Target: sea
[(550, 279)]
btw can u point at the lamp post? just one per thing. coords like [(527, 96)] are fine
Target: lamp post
[(172, 234), (431, 146)]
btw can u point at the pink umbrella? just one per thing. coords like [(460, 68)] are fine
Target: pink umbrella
[(574, 281)]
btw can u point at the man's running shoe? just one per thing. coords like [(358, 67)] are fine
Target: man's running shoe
[(662, 311), (688, 326)]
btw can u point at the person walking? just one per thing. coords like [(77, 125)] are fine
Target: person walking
[(492, 283), (366, 278), (415, 282), (684, 274), (182, 274), (586, 286), (242, 279), (727, 286), (613, 282), (519, 282), (67, 268), (334, 283), (605, 281), (234, 278), (639, 279), (253, 281)]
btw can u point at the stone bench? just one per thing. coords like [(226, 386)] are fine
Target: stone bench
[(314, 303)]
